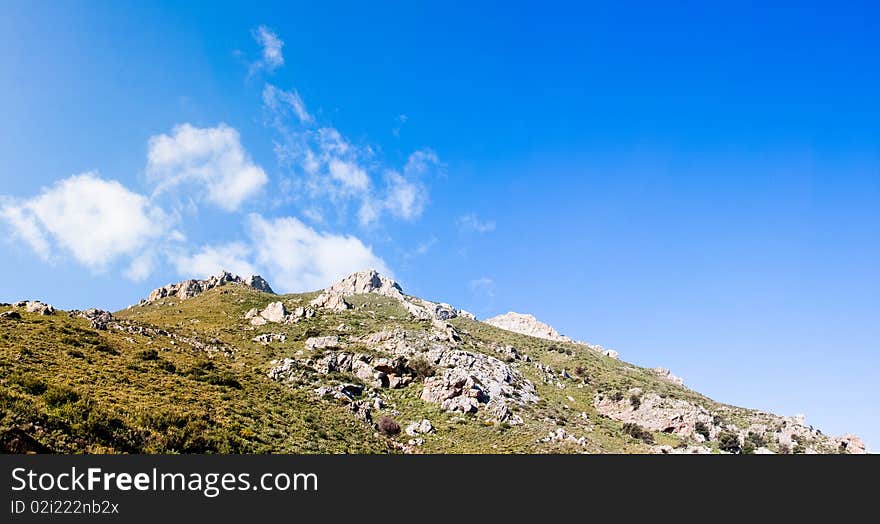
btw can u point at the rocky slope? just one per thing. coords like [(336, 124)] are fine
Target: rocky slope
[(224, 365)]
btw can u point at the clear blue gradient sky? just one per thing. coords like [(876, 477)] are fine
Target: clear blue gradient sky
[(694, 184)]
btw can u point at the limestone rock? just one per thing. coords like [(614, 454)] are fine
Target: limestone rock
[(99, 318), (665, 374), (525, 324), (267, 338), (328, 342), (419, 428), (370, 281), (274, 312), (10, 315), (656, 413), (850, 443), (190, 288), (35, 306)]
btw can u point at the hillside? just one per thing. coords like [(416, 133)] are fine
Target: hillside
[(226, 366)]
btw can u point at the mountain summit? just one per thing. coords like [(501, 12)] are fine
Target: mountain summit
[(224, 365)]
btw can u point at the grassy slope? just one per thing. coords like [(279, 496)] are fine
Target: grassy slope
[(80, 390)]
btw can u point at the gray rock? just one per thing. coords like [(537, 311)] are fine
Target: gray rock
[(35, 306), (328, 342), (190, 288)]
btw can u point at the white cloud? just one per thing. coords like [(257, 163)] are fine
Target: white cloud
[(141, 266), (282, 103), (211, 157), (349, 174), (210, 260), (327, 168), (96, 221), (483, 285), (299, 258), (405, 199), (471, 222), (421, 162), (405, 195), (271, 55)]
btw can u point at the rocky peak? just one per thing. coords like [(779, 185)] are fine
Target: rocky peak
[(525, 324), (369, 281), (191, 288)]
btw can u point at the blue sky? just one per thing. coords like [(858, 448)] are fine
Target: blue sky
[(695, 185)]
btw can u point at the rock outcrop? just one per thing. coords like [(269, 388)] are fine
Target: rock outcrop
[(370, 281), (667, 375), (656, 413), (99, 318), (35, 306), (525, 324), (190, 288), (277, 313)]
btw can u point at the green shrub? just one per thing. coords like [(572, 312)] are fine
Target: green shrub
[(756, 439), (421, 367), (638, 432), (729, 441), (635, 401), (56, 395), (701, 429), (106, 348), (148, 354), (30, 384)]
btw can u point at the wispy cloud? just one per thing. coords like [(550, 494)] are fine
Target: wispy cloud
[(280, 104), (271, 54), (322, 163), (471, 222), (483, 285)]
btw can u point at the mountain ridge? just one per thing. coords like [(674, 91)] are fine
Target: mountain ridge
[(371, 356)]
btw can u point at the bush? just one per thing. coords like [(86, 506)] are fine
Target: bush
[(31, 384), (635, 401), (729, 442), (748, 447), (756, 439), (59, 395), (148, 354), (701, 428), (617, 396), (638, 432), (421, 367), (207, 372), (106, 348), (388, 426)]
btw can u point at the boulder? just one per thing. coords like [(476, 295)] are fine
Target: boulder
[(10, 315), (274, 312), (35, 306), (328, 342), (99, 318)]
